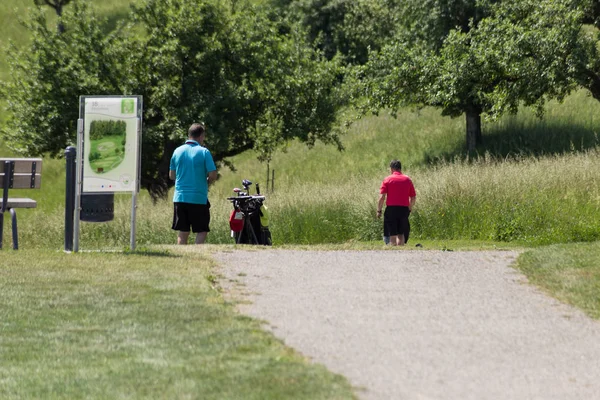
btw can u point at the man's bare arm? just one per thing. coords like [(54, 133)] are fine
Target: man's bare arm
[(380, 203), (212, 176), (172, 174)]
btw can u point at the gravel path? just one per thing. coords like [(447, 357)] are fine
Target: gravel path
[(421, 324)]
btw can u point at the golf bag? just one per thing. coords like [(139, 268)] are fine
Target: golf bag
[(249, 219)]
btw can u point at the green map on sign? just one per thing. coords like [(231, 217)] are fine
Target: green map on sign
[(107, 147), (127, 106)]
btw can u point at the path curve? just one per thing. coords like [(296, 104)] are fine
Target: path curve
[(420, 324)]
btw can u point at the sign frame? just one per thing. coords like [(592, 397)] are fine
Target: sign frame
[(131, 130)]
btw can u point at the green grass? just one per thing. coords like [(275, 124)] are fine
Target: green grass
[(531, 181), (153, 325), (538, 187), (413, 245), (142, 325), (325, 196), (571, 273), (537, 200)]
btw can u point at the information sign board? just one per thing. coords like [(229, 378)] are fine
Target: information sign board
[(110, 158)]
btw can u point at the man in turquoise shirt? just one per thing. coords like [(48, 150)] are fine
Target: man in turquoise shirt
[(192, 168)]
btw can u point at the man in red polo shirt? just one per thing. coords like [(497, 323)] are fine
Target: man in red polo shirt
[(398, 193)]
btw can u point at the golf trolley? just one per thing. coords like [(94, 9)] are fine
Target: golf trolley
[(249, 219)]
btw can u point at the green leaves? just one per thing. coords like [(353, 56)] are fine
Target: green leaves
[(531, 48), (476, 57), (224, 64), (48, 78), (350, 28)]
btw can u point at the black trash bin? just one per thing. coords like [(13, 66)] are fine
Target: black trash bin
[(97, 207)]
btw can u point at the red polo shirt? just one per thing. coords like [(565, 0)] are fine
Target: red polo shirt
[(399, 189)]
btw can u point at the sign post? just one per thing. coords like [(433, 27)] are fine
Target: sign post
[(108, 151)]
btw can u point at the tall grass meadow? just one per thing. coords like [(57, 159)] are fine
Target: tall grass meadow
[(326, 196), (533, 180), (542, 200)]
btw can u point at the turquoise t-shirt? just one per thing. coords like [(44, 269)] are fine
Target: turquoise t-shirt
[(192, 163)]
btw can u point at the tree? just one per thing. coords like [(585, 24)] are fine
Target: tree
[(475, 57), (591, 10), (588, 68), (536, 48), (432, 63), (351, 28), (58, 7), (229, 67), (48, 76)]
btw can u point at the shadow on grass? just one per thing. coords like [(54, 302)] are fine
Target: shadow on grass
[(151, 253), (528, 138)]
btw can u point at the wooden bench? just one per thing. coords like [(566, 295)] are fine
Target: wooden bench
[(17, 173)]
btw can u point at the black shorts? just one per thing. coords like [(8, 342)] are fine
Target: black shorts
[(395, 221), (196, 215)]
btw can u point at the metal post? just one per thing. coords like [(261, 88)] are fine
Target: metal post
[(137, 186), (273, 182), (70, 154), (8, 170), (5, 185), (15, 236), (133, 214), (78, 185), (267, 178)]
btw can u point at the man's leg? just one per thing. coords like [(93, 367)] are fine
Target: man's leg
[(201, 237), (397, 240), (201, 222), (400, 239), (403, 226), (182, 237), (180, 222), (395, 229), (386, 234)]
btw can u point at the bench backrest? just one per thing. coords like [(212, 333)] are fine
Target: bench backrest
[(26, 174)]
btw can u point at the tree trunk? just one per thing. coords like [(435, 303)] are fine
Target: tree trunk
[(473, 129), (591, 81), (60, 26)]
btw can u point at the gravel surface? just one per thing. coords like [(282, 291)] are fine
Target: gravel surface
[(420, 324)]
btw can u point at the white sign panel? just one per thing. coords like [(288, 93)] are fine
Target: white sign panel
[(111, 148)]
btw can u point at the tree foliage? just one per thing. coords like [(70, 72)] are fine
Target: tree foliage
[(223, 63), (534, 47), (48, 77), (475, 56), (58, 6), (351, 28), (588, 68)]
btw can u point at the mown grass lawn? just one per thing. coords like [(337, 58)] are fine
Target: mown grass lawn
[(149, 325), (569, 272)]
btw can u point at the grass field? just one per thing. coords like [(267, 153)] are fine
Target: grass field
[(153, 325), (145, 325), (570, 273), (531, 181), (546, 193)]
